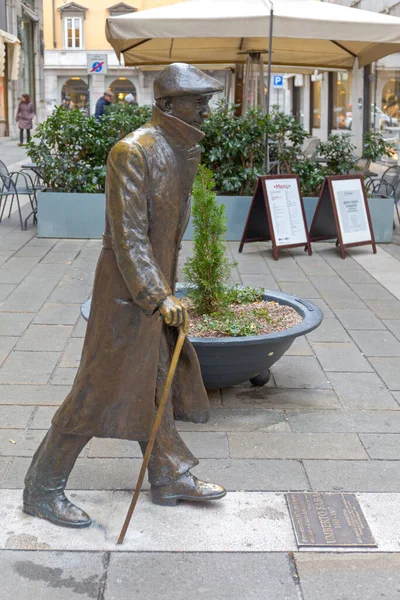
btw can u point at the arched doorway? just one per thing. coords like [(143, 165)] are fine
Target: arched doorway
[(120, 88), (78, 91)]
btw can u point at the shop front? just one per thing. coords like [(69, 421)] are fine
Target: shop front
[(9, 70)]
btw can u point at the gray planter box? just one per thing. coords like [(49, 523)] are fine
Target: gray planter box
[(67, 215), (64, 215)]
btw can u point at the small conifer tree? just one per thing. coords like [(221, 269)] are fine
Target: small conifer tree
[(209, 268)]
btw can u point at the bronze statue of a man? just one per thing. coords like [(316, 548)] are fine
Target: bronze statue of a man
[(132, 326)]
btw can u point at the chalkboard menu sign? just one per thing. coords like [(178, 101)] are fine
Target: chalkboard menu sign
[(342, 212), (277, 214)]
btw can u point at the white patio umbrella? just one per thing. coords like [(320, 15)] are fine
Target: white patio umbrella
[(307, 33)]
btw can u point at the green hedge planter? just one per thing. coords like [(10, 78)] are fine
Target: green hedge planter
[(82, 215)]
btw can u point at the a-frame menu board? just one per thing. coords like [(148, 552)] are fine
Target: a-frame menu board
[(277, 214), (342, 212)]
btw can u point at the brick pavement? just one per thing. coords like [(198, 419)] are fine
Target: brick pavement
[(328, 420)]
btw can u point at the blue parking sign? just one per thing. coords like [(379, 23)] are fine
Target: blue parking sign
[(278, 81)]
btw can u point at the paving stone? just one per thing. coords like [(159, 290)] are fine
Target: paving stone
[(14, 276), (341, 299), (105, 474), (340, 357), (229, 575), (385, 309), (22, 262), (264, 281), (15, 416), (30, 295), (72, 354), (300, 347), (28, 367), (203, 445), (80, 328), (33, 394), (299, 372), (394, 327), (293, 274), (59, 257), (389, 369), (371, 291), (376, 343), (354, 476), (267, 398), (58, 314), (253, 267), (239, 419), (69, 245), (64, 376), (51, 575), (5, 290), (362, 390), (330, 330), (299, 288), (353, 576), (7, 343), (357, 276), (43, 417), (327, 312), (376, 509), (333, 258), (14, 324), (48, 242), (45, 337), (329, 283), (397, 396), (345, 421), (71, 293), (256, 475), (295, 445), (26, 442), (382, 446), (4, 462), (358, 319), (32, 251)]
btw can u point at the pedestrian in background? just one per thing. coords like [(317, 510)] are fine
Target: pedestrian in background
[(102, 103), (131, 100), (24, 118)]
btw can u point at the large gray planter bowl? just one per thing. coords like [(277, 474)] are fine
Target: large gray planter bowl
[(229, 361)]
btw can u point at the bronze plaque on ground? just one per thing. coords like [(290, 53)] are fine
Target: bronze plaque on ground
[(328, 520)]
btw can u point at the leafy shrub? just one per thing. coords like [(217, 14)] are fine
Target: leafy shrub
[(233, 148), (375, 146), (71, 149), (339, 154)]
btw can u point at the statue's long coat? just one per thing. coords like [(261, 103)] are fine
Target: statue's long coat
[(149, 177)]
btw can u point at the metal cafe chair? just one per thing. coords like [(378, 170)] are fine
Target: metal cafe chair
[(388, 185), (14, 185)]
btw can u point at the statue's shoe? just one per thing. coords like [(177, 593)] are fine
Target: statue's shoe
[(187, 487), (57, 509)]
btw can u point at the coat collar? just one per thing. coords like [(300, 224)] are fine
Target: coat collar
[(176, 130)]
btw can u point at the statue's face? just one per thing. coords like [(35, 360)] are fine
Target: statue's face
[(190, 109)]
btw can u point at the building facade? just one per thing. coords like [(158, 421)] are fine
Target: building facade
[(22, 50), (74, 37)]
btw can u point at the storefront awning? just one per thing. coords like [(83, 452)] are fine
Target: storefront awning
[(307, 34), (14, 54)]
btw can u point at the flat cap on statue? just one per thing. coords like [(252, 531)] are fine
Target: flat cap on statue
[(180, 79)]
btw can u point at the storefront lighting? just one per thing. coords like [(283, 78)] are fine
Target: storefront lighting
[(122, 78), (75, 78)]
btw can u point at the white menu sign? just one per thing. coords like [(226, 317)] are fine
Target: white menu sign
[(348, 196), (286, 213)]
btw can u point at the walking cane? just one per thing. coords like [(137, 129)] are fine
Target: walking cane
[(156, 426)]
